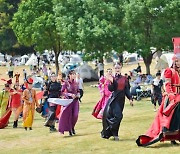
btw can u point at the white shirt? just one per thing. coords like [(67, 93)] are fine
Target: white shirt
[(80, 82), (100, 66)]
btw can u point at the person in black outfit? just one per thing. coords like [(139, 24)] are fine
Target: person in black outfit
[(157, 85), (138, 69), (54, 91), (113, 112)]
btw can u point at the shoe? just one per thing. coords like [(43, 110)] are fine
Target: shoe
[(30, 128), (15, 124), (52, 129), (73, 131), (154, 110), (116, 138), (25, 128), (70, 133), (174, 143)]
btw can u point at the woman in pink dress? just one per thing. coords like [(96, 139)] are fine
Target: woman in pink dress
[(105, 93)]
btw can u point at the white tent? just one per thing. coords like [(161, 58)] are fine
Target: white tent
[(75, 59), (32, 60), (131, 58), (24, 59), (164, 61), (87, 73), (38, 81)]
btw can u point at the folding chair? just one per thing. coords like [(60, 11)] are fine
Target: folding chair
[(139, 93)]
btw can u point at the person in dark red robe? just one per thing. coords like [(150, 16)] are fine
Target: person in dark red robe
[(113, 112), (166, 125)]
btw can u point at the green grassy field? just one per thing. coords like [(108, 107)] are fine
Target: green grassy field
[(136, 121)]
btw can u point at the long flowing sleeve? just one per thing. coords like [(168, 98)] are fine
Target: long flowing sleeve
[(113, 86), (35, 99), (168, 76), (64, 90), (127, 91), (1, 93)]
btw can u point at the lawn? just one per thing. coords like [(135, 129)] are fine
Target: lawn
[(136, 121)]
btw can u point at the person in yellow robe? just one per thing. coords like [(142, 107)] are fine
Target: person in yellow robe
[(30, 102), (4, 98)]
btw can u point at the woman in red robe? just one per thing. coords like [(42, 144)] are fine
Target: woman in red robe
[(166, 125)]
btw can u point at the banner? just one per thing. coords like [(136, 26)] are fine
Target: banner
[(176, 41)]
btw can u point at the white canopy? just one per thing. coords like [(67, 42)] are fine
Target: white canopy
[(32, 60), (164, 61)]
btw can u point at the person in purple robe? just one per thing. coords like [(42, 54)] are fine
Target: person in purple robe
[(69, 114)]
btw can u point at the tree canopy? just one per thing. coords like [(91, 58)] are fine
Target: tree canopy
[(151, 23), (34, 25), (96, 27), (93, 25)]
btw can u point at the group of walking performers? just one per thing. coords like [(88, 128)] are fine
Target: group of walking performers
[(25, 100), (166, 125), (113, 88)]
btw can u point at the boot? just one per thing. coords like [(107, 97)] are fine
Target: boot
[(73, 131), (174, 143), (70, 133), (15, 124), (52, 129)]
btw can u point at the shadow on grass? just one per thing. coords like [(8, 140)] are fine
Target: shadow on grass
[(77, 135), (164, 145)]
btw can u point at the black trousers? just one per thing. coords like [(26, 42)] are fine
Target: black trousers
[(10, 73), (112, 116), (51, 118), (81, 94), (101, 73), (155, 98)]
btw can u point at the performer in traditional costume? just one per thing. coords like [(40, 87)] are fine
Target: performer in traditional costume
[(45, 106), (54, 91), (16, 103), (156, 90), (30, 102), (4, 99), (166, 125), (6, 112), (69, 114), (113, 112), (105, 93), (17, 75)]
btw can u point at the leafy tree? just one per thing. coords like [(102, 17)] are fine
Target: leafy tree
[(151, 23), (92, 25), (34, 25), (7, 37)]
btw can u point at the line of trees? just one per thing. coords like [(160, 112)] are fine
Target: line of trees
[(95, 26)]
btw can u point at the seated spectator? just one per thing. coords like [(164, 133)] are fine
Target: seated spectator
[(149, 78), (138, 79), (138, 69), (135, 89)]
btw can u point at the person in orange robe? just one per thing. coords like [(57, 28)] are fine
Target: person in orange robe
[(30, 101)]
